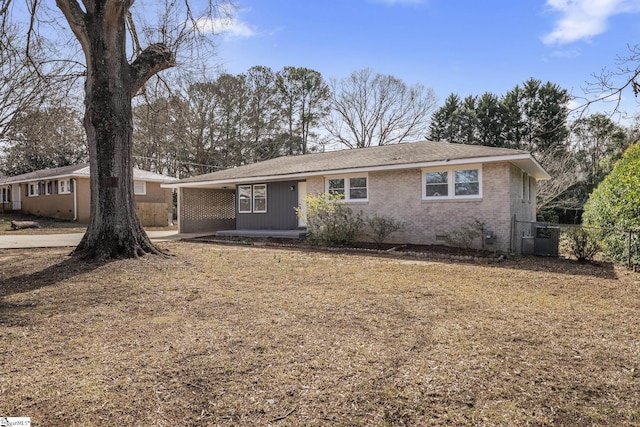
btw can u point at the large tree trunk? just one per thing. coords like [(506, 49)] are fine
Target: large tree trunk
[(114, 229)]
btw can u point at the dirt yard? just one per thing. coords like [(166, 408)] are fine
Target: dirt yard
[(256, 336)]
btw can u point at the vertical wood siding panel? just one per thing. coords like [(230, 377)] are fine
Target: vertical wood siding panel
[(280, 214)]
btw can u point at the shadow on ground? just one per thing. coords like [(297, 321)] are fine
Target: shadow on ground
[(446, 254)]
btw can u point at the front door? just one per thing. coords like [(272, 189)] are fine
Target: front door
[(302, 203)]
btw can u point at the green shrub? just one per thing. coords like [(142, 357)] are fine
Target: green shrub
[(330, 222), (583, 243), (615, 204), (379, 227)]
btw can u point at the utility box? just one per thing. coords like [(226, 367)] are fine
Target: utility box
[(542, 240), (546, 240), (527, 245)]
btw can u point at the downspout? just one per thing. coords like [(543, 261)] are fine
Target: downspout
[(75, 200)]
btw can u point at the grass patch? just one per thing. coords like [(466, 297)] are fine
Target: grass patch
[(236, 335)]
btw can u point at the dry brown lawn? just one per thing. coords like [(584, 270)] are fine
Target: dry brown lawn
[(256, 336), (49, 225)]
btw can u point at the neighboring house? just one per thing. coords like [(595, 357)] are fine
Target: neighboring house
[(435, 188), (65, 193)]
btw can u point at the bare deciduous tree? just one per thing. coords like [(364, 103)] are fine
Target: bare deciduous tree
[(370, 109), (555, 193), (610, 84), (114, 73), (22, 86), (42, 138)]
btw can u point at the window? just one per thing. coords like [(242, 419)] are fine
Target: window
[(34, 189), (452, 183), (531, 187), (49, 188), (358, 188), (6, 195), (336, 186), (467, 182), (65, 186), (260, 198), (252, 198), (349, 188), (437, 184), (139, 188), (244, 199)]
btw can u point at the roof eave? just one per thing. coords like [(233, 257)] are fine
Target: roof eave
[(524, 161)]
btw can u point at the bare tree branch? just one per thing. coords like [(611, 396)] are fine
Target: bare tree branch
[(610, 85), (152, 60), (370, 109)]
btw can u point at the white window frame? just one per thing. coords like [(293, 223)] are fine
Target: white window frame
[(254, 198), (139, 191), (240, 188), (251, 189), (34, 189), (64, 186), (347, 186), (47, 185), (525, 186), (451, 182)]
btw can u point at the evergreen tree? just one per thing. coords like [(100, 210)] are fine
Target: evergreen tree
[(441, 126), (489, 123), (545, 115), (511, 119), (615, 203)]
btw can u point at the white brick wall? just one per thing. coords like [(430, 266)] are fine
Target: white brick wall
[(398, 194)]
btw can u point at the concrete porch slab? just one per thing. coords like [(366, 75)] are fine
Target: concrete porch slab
[(278, 234)]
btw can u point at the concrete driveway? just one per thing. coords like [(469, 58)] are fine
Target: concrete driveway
[(22, 241)]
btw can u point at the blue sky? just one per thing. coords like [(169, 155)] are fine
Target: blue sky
[(462, 46)]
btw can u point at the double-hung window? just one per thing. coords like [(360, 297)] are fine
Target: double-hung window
[(64, 186), (34, 189), (437, 184), (336, 187), (260, 198), (349, 188), (467, 182), (252, 198), (139, 188), (462, 182)]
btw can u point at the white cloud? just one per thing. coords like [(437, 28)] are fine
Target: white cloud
[(228, 25), (583, 19)]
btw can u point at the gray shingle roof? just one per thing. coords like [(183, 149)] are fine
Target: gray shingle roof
[(382, 156), (81, 170)]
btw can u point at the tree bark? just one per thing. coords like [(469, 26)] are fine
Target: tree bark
[(114, 229)]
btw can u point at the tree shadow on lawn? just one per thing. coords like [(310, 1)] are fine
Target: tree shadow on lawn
[(438, 253), (18, 313), (49, 276)]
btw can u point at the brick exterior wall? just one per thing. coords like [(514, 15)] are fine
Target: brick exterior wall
[(61, 205), (206, 210), (398, 194)]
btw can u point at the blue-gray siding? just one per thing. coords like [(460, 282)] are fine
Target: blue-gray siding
[(282, 198)]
